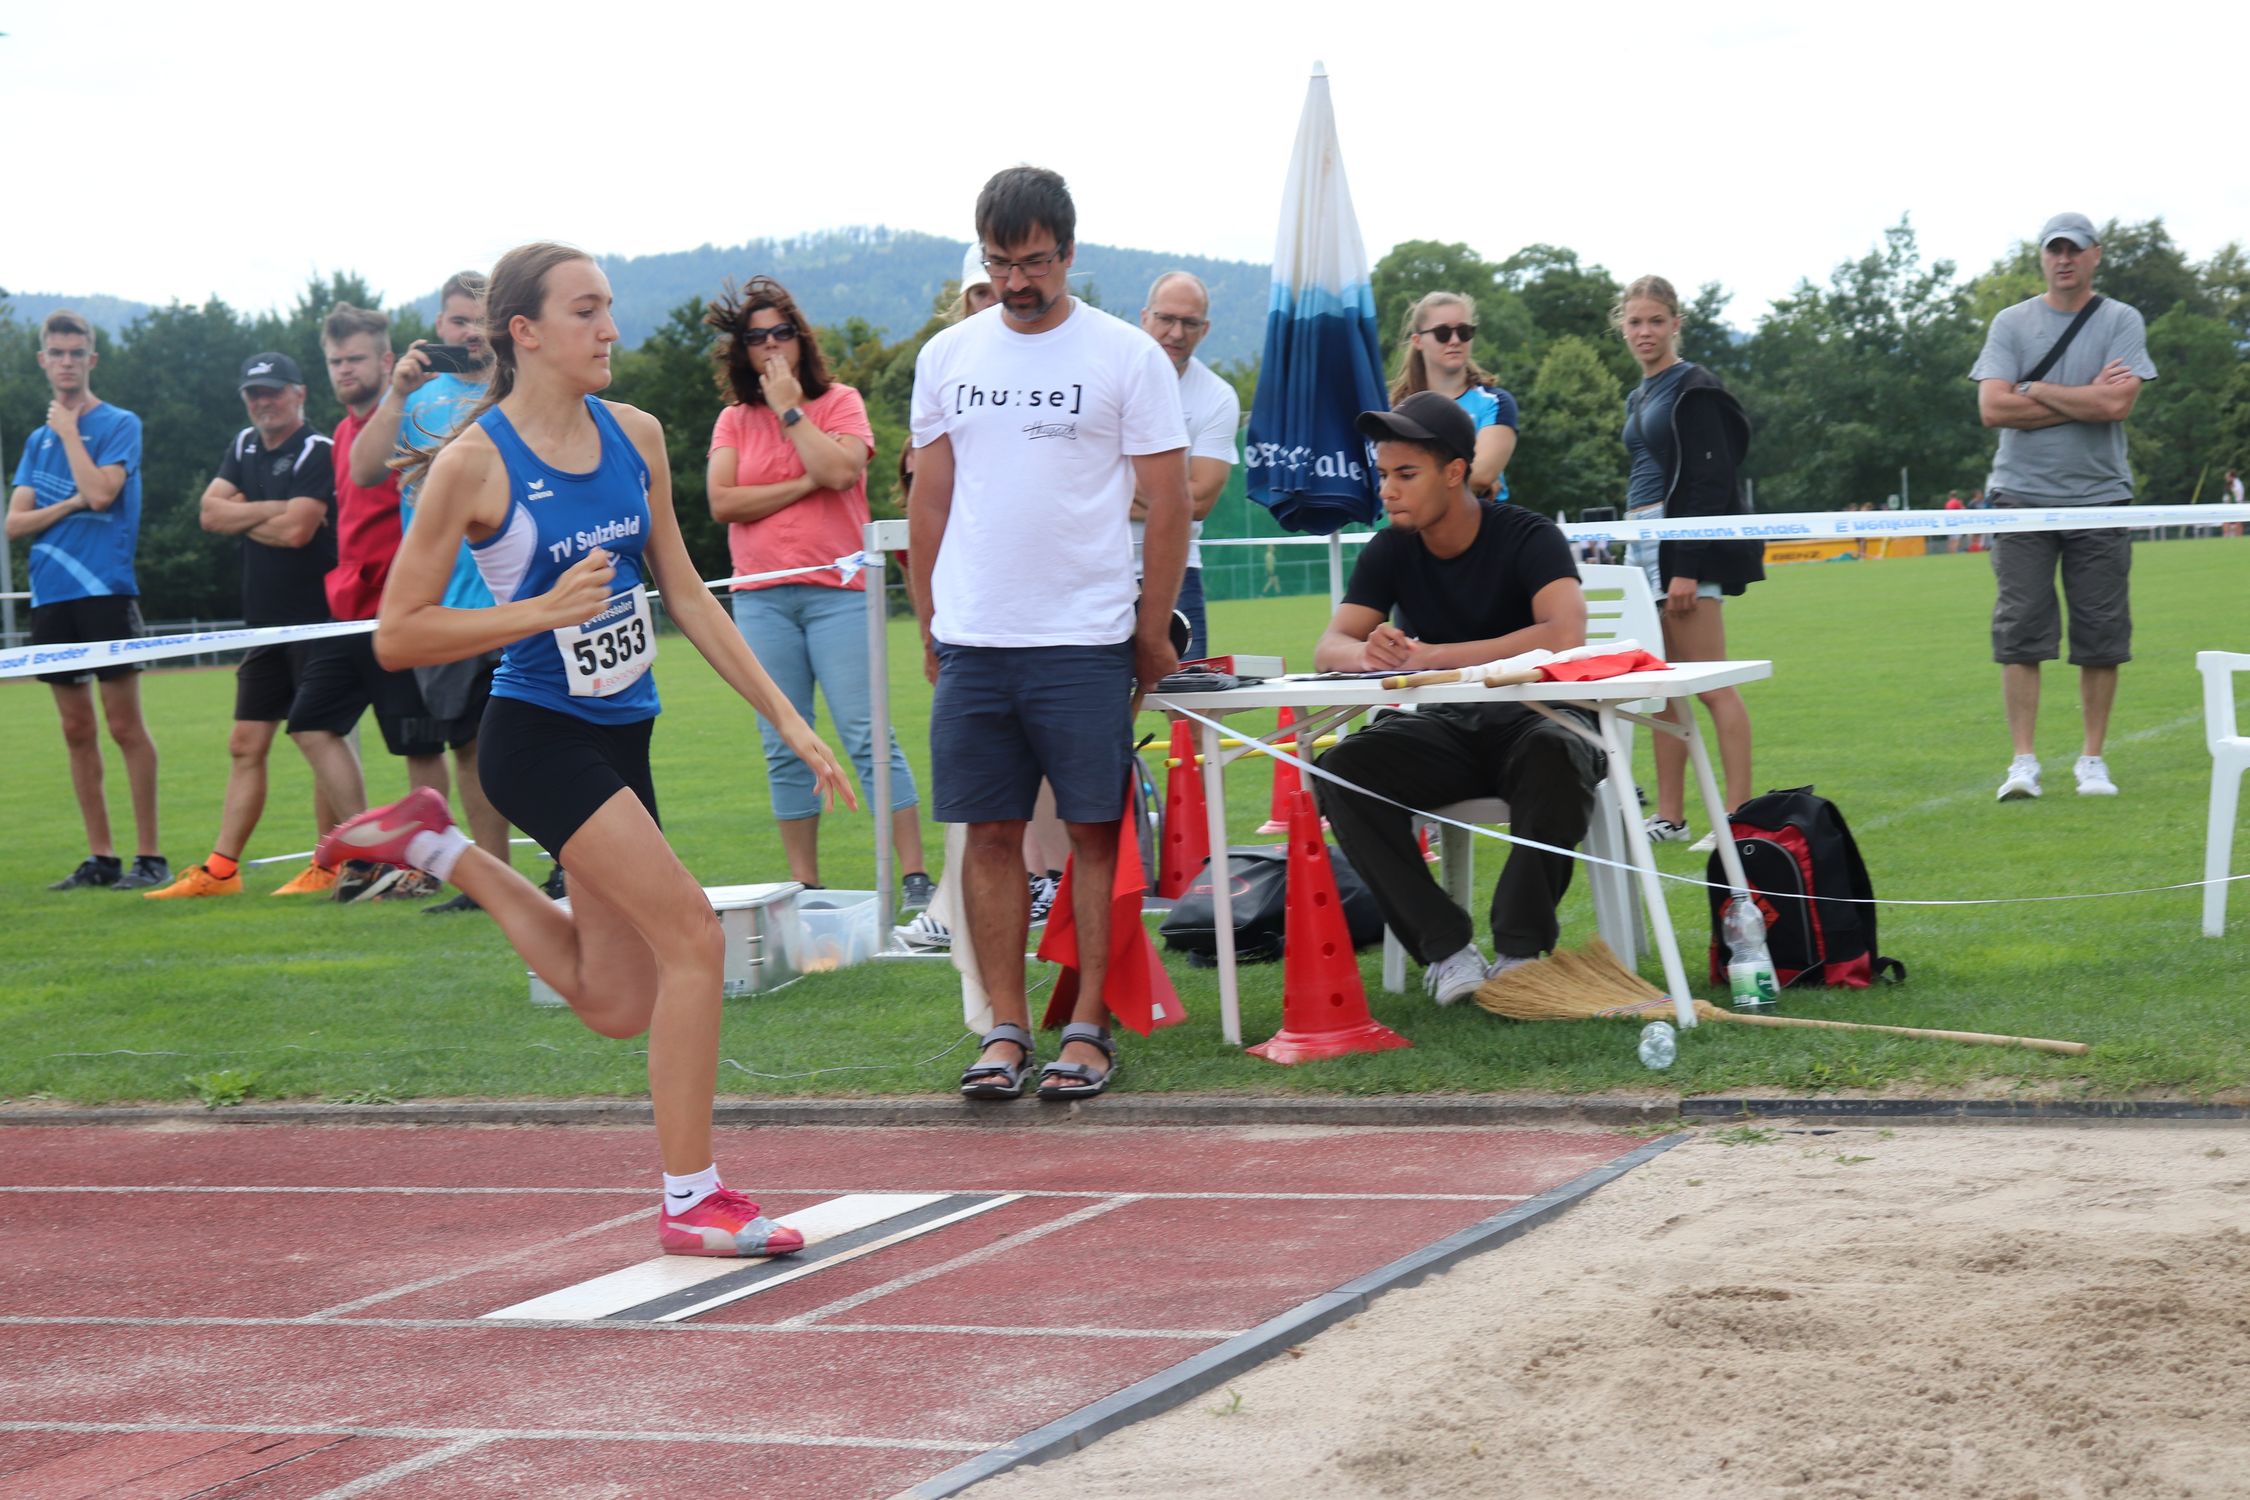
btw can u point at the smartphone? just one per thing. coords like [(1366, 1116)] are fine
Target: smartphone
[(448, 359)]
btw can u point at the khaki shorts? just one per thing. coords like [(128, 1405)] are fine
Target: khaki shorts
[(2096, 568)]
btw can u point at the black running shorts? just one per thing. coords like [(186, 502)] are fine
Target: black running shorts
[(548, 773)]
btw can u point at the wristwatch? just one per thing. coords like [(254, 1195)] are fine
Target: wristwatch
[(2023, 387), (793, 416)]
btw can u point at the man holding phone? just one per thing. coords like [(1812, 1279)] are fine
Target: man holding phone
[(433, 388)]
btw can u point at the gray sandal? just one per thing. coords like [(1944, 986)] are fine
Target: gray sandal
[(998, 1080), (1063, 1080)]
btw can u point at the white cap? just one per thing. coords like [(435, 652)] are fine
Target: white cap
[(972, 267)]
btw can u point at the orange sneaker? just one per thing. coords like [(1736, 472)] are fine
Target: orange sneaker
[(198, 881), (312, 880)]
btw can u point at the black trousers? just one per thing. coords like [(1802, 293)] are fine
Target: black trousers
[(1449, 752)]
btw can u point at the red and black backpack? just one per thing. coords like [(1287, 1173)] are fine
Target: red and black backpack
[(1810, 883)]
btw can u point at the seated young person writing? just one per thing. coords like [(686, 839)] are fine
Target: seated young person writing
[(1453, 582)]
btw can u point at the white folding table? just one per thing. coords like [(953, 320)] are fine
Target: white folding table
[(1320, 705)]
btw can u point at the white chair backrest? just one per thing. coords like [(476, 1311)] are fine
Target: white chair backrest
[(2218, 669), (1619, 607)]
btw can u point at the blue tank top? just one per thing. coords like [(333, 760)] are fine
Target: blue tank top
[(554, 519)]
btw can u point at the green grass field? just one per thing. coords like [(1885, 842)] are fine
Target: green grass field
[(1883, 698)]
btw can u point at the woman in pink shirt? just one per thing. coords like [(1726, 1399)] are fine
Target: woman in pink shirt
[(789, 477)]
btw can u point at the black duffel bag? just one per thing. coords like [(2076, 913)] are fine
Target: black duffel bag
[(1259, 877)]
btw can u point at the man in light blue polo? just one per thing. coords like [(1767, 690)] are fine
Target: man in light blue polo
[(2058, 376), (77, 500)]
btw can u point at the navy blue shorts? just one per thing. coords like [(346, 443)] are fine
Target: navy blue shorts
[(1005, 716)]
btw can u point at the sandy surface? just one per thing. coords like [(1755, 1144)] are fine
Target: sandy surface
[(1984, 1313)]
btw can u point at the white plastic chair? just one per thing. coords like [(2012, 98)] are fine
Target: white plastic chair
[(1619, 607), (2230, 758)]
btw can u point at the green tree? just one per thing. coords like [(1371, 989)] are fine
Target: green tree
[(2177, 429), (1571, 455), (670, 376), (1567, 300), (1852, 382), (1505, 338)]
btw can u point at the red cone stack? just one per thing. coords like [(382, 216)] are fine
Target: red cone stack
[(1286, 781), (1324, 1004), (1187, 820)]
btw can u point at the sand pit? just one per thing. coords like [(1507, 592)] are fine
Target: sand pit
[(1982, 1313)]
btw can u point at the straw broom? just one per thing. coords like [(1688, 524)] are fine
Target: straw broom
[(1581, 984)]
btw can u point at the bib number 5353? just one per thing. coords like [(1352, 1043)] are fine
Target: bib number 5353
[(611, 651)]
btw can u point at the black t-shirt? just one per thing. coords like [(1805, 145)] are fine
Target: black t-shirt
[(1483, 594), (284, 585)]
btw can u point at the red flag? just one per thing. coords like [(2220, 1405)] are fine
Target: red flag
[(1135, 989), (1595, 668)]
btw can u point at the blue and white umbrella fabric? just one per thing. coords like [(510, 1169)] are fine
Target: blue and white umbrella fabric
[(1324, 358)]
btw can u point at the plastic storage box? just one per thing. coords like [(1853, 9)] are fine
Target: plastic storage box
[(835, 929), (760, 923)]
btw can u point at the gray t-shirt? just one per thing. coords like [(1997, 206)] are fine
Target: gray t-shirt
[(2073, 463)]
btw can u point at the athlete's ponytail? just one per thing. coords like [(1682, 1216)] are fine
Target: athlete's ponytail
[(518, 290)]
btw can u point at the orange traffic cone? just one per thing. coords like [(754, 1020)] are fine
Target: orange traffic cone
[(1324, 1004), (1286, 781), (1187, 819)]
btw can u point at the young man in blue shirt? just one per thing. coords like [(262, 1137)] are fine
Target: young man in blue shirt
[(77, 499)]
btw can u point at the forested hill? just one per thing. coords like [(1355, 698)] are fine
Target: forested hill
[(892, 278)]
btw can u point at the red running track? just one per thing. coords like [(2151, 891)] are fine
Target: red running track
[(284, 1312)]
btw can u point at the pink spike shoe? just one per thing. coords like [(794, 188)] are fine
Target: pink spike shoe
[(382, 834), (726, 1223)]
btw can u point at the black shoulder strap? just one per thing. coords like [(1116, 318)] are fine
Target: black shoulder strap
[(2039, 370)]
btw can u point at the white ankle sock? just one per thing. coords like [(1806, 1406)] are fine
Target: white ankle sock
[(683, 1193), (437, 850)]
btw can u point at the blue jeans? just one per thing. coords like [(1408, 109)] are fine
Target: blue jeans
[(1191, 605), (802, 634)]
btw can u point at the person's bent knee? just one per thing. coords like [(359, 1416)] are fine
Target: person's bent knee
[(249, 740)]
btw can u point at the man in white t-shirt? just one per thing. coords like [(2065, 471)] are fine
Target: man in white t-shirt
[(1177, 316), (1032, 430)]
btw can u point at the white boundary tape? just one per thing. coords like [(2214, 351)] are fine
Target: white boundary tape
[(1833, 524), (1309, 769), (27, 661)]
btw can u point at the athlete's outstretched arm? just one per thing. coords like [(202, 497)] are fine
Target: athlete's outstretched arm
[(466, 493), (703, 620)]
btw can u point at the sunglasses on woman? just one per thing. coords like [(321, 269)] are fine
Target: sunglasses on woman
[(780, 333), (1446, 333)]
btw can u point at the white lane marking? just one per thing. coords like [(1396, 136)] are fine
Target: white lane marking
[(767, 1284), (581, 1325), (973, 1257), (828, 1192), (404, 1468), (666, 1274), (493, 1264), (511, 1435)]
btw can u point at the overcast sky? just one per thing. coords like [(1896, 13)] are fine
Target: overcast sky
[(180, 151)]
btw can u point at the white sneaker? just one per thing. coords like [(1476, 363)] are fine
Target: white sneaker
[(1502, 963), (2093, 777), (1454, 978), (1664, 831), (925, 934), (2022, 779), (1705, 844)]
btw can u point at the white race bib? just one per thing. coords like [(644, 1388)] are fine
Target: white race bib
[(609, 653)]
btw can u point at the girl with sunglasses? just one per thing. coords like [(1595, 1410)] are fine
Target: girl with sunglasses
[(788, 476), (1437, 335)]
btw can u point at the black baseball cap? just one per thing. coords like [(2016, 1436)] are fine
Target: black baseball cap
[(271, 371), (1424, 417)]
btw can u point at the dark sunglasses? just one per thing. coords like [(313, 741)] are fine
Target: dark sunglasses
[(1446, 333), (780, 333)]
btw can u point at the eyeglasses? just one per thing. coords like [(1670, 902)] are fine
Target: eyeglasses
[(1184, 325), (780, 333), (1446, 333), (1032, 266), (68, 354)]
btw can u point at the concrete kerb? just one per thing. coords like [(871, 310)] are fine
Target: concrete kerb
[(1207, 1111), (1426, 1111), (1207, 1371)]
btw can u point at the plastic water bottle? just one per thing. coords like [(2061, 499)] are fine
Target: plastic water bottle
[(1659, 1044), (1750, 975)]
